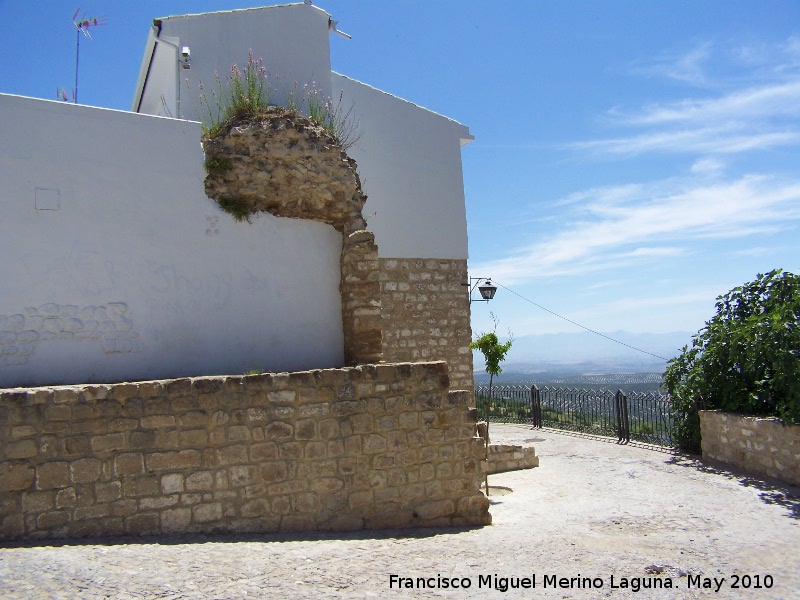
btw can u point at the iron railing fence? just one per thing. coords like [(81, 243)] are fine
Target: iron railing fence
[(639, 416)]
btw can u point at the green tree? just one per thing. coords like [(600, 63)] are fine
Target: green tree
[(746, 359), (494, 353)]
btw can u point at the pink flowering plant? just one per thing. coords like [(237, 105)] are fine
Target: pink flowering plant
[(247, 94), (339, 123)]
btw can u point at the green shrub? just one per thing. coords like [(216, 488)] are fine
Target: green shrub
[(236, 207), (746, 359), (216, 165)]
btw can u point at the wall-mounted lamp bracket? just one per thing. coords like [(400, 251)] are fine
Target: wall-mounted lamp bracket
[(487, 290)]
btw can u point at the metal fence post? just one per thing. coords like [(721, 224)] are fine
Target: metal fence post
[(536, 408), (621, 413)]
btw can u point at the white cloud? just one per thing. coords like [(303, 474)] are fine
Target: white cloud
[(618, 193), (688, 67), (755, 251), (766, 101), (756, 118), (702, 295), (656, 252), (777, 58), (693, 141), (603, 232), (758, 110), (708, 166), (792, 50)]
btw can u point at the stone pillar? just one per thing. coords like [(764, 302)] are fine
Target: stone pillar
[(426, 314), (361, 299)]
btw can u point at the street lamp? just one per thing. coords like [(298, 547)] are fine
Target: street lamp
[(486, 290)]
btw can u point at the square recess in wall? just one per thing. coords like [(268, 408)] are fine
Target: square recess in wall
[(46, 199)]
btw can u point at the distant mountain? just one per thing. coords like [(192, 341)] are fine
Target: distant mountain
[(628, 382), (585, 352)]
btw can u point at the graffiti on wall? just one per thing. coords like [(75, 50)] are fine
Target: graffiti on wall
[(108, 324)]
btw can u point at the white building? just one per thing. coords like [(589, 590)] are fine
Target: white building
[(116, 266)]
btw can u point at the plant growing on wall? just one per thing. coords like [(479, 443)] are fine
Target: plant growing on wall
[(746, 359), (243, 95), (244, 101), (246, 94), (494, 353)]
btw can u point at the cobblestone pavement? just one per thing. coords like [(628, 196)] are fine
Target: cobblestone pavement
[(593, 510)]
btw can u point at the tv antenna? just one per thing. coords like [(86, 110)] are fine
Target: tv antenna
[(82, 26)]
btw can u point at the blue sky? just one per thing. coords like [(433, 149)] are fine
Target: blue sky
[(633, 160)]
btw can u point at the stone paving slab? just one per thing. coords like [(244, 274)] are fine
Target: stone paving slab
[(592, 509)]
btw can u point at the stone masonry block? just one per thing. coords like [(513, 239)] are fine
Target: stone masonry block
[(59, 412), (142, 523), (306, 429), (36, 502), (86, 470), (172, 483), (375, 443), (204, 513), (157, 421), (52, 475), (15, 476), (199, 481), (184, 459), (21, 449), (274, 471), (231, 455), (279, 430), (22, 431), (108, 443), (145, 486), (175, 520), (129, 463), (52, 520), (108, 492)]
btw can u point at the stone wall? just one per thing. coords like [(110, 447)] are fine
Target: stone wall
[(756, 444), (426, 314), (373, 446), (507, 457), (285, 164)]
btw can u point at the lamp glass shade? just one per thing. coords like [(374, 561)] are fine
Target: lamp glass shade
[(487, 290)]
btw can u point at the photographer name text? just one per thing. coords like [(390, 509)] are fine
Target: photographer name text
[(537, 581)]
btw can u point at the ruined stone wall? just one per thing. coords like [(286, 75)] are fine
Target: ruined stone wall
[(285, 164), (393, 309), (756, 444), (373, 446), (426, 314)]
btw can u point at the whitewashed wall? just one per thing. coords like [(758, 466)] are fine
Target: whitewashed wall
[(115, 266), (409, 159), (292, 40)]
